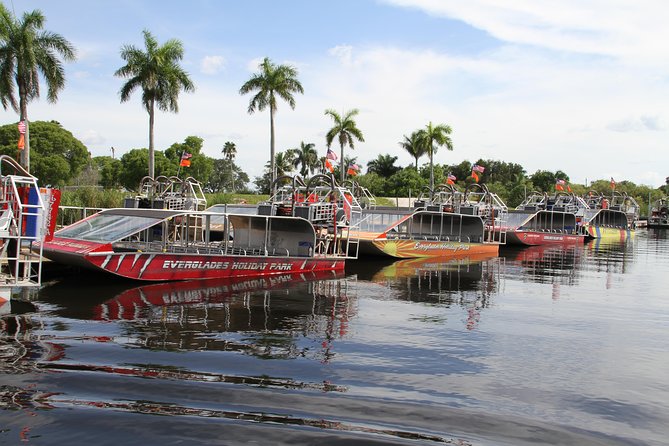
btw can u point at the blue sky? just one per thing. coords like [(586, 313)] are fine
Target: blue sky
[(579, 86)]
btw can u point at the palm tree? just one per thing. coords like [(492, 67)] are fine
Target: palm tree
[(431, 137), (412, 145), (230, 151), (283, 163), (160, 77), (346, 131), (383, 165), (272, 81), (306, 158), (25, 52)]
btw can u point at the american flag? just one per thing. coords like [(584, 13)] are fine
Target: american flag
[(478, 168), (331, 155), (186, 155), (560, 181), (451, 177), (22, 127)]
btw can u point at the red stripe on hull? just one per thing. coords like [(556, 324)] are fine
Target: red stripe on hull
[(163, 266)]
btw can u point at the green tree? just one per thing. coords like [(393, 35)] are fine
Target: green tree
[(221, 180), (305, 158), (229, 152), (201, 166), (26, 51), (545, 180), (375, 183), (134, 165), (272, 81), (406, 182), (283, 164), (109, 169), (160, 77), (383, 165), (346, 131), (412, 145), (58, 156), (431, 138)]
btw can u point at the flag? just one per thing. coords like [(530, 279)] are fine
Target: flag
[(353, 170), (331, 155), (613, 183), (450, 179), (185, 159), (475, 176), (478, 168), (22, 142), (568, 188), (329, 166), (22, 127), (559, 184)]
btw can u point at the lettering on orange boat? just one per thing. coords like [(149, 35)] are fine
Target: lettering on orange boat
[(441, 246)]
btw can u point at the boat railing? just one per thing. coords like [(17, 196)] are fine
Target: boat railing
[(22, 227), (72, 214), (201, 248)]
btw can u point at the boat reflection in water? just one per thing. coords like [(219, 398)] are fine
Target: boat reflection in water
[(545, 263), (271, 311), (469, 282)]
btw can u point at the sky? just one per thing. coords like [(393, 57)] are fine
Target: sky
[(580, 86)]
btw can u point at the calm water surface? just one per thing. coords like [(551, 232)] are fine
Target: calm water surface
[(557, 346)]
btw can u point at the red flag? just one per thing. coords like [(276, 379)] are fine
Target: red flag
[(329, 166), (185, 159), (475, 176), (22, 142), (613, 183)]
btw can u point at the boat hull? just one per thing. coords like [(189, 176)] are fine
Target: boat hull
[(606, 233), (409, 249), (535, 238), (159, 266)]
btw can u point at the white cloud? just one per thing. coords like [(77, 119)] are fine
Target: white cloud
[(212, 64), (92, 138), (627, 29)]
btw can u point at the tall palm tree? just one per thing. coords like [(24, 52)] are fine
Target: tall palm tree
[(412, 145), (230, 151), (305, 158), (346, 131), (25, 52), (160, 77), (431, 137), (272, 81)]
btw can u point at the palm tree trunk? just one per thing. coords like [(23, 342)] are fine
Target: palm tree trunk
[(232, 176), (23, 116), (431, 171), (416, 164), (271, 150), (151, 149), (343, 173)]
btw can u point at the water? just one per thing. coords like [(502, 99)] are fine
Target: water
[(556, 346)]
